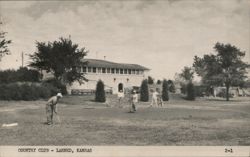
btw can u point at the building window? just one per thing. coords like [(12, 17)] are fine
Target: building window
[(112, 70), (137, 72), (141, 72), (99, 70), (129, 71), (108, 70), (125, 71), (103, 70), (133, 71), (121, 71), (89, 69), (84, 69), (94, 69), (117, 71)]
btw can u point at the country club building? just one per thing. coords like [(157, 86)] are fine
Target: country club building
[(116, 76)]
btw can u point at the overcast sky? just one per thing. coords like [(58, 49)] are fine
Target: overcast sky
[(161, 35)]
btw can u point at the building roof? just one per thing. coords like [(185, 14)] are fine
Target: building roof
[(108, 64)]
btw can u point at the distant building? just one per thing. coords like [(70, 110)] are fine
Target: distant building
[(116, 76)]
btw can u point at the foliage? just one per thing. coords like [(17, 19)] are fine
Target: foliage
[(190, 91), (57, 84), (165, 89), (100, 92), (187, 74), (201, 91), (144, 91), (25, 91), (171, 86), (224, 68), (61, 58), (21, 75), (183, 88), (247, 84), (158, 82), (150, 80), (3, 43)]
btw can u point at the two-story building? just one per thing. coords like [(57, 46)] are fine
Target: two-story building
[(116, 76)]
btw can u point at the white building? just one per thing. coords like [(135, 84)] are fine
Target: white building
[(116, 76)]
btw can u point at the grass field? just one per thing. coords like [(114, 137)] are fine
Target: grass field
[(85, 122)]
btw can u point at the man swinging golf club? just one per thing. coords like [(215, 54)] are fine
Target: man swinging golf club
[(51, 107)]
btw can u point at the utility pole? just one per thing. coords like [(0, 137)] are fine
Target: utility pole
[(22, 59)]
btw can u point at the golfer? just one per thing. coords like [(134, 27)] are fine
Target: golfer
[(159, 100), (120, 97), (51, 107), (154, 98), (134, 100)]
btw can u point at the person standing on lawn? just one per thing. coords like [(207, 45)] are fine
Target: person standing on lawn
[(134, 100), (51, 107), (154, 98), (120, 97)]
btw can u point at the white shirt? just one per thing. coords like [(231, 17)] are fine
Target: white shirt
[(155, 94), (120, 94), (135, 98)]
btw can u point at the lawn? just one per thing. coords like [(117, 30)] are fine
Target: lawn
[(205, 121)]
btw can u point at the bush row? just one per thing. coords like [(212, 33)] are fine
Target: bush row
[(26, 91), (20, 75)]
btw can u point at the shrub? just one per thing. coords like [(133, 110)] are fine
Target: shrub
[(171, 86), (165, 96), (100, 92), (150, 80), (200, 90), (21, 75), (26, 91), (52, 89), (144, 91), (183, 88), (190, 91), (56, 83), (29, 92), (158, 82)]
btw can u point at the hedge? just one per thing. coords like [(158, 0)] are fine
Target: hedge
[(26, 91), (21, 75)]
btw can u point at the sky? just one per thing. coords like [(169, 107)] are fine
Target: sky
[(163, 35)]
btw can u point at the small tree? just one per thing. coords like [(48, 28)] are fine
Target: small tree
[(171, 86), (165, 96), (187, 74), (100, 92), (150, 80), (158, 82), (190, 91), (144, 91)]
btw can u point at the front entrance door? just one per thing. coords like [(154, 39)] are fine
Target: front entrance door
[(120, 87)]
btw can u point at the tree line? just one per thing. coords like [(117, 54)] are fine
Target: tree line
[(225, 68)]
